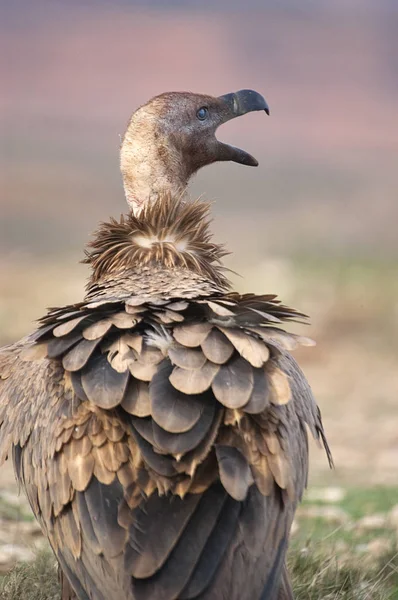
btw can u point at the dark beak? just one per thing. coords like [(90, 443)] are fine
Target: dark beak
[(236, 105), (243, 102)]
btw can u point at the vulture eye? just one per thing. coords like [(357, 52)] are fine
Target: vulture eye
[(202, 113)]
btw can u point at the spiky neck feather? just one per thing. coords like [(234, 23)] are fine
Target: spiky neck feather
[(168, 233)]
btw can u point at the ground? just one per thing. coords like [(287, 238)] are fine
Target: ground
[(344, 545)]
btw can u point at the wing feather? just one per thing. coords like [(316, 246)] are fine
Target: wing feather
[(147, 466)]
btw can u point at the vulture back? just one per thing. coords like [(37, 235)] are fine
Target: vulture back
[(159, 426)]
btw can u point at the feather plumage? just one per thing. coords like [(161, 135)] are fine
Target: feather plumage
[(158, 426), (172, 232)]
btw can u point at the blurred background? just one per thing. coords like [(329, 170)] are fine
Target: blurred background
[(316, 223)]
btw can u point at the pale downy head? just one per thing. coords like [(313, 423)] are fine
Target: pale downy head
[(172, 136)]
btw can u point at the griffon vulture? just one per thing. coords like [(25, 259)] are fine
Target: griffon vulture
[(159, 426)]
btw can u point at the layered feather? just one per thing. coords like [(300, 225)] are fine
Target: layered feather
[(170, 232), (152, 428), (174, 381)]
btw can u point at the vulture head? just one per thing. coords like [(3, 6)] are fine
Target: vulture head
[(172, 136)]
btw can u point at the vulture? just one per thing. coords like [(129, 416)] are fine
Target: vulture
[(159, 426)]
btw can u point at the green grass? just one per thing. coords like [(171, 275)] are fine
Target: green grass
[(11, 512), (321, 576), (34, 581), (316, 576), (356, 504), (360, 502), (327, 560)]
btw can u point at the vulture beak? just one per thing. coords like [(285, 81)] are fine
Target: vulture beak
[(235, 105)]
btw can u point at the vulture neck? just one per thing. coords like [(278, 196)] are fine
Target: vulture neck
[(167, 249), (150, 167)]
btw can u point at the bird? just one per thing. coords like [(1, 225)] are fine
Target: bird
[(159, 426)]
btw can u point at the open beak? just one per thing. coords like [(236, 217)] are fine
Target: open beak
[(235, 105)]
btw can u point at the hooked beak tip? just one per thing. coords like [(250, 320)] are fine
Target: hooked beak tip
[(244, 101)]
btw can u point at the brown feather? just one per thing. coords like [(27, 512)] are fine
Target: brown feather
[(76, 358), (142, 370), (178, 306), (115, 246), (217, 348), (260, 395), (80, 469), (136, 399), (76, 380), (33, 352), (280, 391), (169, 316), (172, 410), (97, 439), (253, 350), (181, 443), (233, 385), (127, 475), (122, 320), (234, 470), (187, 358), (70, 532), (192, 335), (150, 355), (102, 384), (81, 447), (57, 346), (219, 309), (280, 469), (68, 326), (263, 476), (107, 456), (101, 472), (97, 330), (195, 381)]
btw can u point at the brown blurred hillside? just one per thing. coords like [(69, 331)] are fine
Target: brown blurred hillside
[(327, 182)]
